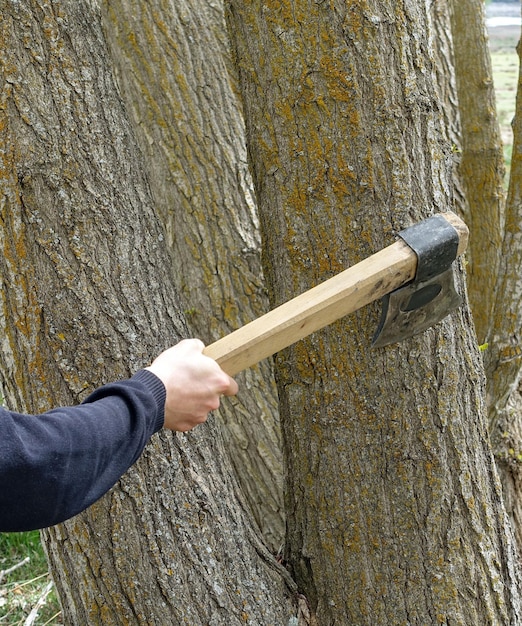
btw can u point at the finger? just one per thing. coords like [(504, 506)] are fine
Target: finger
[(232, 388)]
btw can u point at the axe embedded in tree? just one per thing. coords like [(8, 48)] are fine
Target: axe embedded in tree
[(413, 275)]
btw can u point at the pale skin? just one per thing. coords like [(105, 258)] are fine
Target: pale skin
[(194, 384)]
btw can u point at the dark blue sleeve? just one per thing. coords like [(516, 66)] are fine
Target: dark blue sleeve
[(54, 465)]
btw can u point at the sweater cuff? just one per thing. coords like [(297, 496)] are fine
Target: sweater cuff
[(158, 392)]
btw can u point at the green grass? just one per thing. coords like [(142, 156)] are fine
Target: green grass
[(21, 590)]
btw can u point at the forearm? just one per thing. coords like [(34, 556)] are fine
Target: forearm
[(54, 465)]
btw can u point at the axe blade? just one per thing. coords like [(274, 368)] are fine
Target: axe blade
[(414, 308), (427, 251)]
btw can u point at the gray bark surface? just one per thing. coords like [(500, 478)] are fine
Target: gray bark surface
[(394, 508), (504, 356), (88, 296), (494, 268), (482, 164), (171, 62)]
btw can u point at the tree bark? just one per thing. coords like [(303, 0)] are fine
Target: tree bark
[(88, 296), (174, 73), (445, 75), (482, 159), (504, 356), (495, 225), (394, 508)]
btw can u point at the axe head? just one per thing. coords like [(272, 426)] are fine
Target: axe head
[(431, 295)]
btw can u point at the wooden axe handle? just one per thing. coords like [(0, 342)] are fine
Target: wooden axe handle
[(345, 293)]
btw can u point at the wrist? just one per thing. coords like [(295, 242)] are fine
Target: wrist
[(157, 389)]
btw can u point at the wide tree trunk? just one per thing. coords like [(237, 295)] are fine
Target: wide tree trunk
[(394, 509), (88, 296), (173, 69)]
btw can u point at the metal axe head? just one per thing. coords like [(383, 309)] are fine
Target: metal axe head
[(431, 295), (420, 263)]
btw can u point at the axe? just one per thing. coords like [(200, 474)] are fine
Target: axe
[(414, 276)]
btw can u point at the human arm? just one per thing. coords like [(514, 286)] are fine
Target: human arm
[(54, 465)]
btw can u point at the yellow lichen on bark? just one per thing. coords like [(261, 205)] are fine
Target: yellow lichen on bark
[(373, 446)]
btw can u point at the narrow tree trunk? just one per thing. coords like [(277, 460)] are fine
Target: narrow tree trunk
[(504, 355), (482, 160), (88, 295), (171, 60), (444, 66), (495, 221), (394, 509)]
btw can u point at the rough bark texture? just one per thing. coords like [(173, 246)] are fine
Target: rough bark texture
[(482, 159), (394, 509), (87, 296), (495, 223), (444, 67), (504, 355), (507, 444), (171, 59)]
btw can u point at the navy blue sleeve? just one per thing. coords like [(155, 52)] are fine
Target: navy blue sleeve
[(54, 465)]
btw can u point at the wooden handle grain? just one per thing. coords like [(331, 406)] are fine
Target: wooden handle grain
[(318, 307)]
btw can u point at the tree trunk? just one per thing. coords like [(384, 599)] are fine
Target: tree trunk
[(482, 160), (444, 66), (495, 263), (88, 295), (504, 355), (171, 60), (394, 509)]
